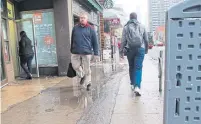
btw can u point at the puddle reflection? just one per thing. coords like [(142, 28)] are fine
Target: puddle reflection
[(70, 94), (75, 97)]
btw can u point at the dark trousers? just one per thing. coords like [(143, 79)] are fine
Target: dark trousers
[(135, 60), (26, 63)]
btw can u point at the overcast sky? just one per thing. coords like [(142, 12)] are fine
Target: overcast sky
[(139, 6)]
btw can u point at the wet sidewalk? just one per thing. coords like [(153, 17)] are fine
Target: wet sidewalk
[(118, 105), (53, 100), (22, 90), (109, 102), (147, 109)]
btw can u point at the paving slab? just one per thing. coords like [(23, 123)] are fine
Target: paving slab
[(148, 108)]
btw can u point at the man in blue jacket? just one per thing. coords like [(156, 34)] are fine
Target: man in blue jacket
[(83, 44)]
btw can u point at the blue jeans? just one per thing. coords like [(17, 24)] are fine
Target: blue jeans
[(26, 63), (135, 60)]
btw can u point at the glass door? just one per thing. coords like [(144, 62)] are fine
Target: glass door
[(2, 61), (27, 25)]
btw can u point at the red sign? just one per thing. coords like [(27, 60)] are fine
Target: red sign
[(48, 40), (37, 18), (114, 21)]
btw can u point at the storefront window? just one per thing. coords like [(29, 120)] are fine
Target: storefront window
[(6, 52), (45, 36), (3, 8), (97, 32), (4, 28), (2, 68), (1, 52)]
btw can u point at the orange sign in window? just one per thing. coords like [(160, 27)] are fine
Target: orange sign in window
[(48, 40), (37, 18)]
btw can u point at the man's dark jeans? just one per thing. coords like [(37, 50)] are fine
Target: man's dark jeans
[(135, 60), (26, 63)]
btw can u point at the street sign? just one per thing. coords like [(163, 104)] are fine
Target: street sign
[(183, 64), (113, 21)]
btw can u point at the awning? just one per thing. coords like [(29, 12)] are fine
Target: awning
[(95, 4)]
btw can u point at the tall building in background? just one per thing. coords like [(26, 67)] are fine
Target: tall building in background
[(157, 10), (138, 11), (156, 14)]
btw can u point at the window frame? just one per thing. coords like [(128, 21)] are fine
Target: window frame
[(5, 41)]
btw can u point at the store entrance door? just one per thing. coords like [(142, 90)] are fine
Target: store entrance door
[(27, 25), (3, 76), (13, 44)]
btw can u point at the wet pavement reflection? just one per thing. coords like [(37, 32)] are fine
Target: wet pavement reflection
[(110, 101), (21, 90), (65, 101)]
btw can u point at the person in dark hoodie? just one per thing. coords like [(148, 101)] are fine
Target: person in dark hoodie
[(84, 44), (26, 54), (135, 46)]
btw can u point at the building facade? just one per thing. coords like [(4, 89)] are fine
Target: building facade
[(48, 23), (157, 12)]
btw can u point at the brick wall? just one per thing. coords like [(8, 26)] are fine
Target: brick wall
[(102, 31)]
